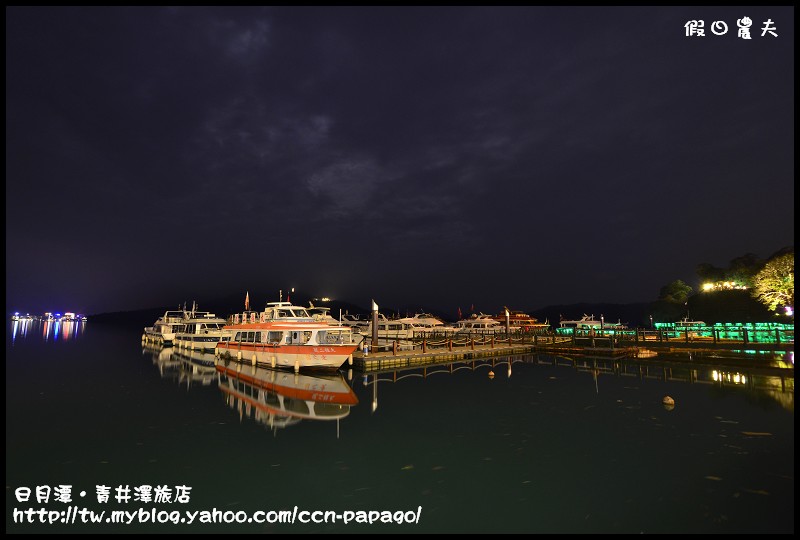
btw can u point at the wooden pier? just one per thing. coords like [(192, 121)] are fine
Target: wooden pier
[(431, 349), (389, 359)]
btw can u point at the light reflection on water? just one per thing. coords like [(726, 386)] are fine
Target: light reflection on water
[(46, 330), (548, 444)]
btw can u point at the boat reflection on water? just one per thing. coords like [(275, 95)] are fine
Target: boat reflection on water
[(196, 367), (168, 367), (279, 399)]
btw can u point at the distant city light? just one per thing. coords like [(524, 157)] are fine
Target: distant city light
[(789, 311)]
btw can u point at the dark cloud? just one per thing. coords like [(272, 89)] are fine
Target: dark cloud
[(519, 155)]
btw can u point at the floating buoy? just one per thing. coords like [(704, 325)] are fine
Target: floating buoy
[(491, 374), (668, 402)]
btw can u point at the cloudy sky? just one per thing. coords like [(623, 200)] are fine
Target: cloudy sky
[(444, 157)]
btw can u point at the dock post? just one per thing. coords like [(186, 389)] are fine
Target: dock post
[(472, 343), (777, 336), (424, 345), (714, 335), (450, 344), (394, 348), (375, 342), (492, 341), (744, 334)]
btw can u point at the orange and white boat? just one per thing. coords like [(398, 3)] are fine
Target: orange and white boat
[(295, 344), (279, 399)]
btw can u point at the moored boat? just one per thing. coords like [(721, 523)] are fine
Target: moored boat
[(164, 329), (296, 344), (478, 323), (200, 330), (588, 322), (521, 321)]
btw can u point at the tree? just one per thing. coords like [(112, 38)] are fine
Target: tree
[(709, 272), (774, 284), (676, 292), (742, 269)]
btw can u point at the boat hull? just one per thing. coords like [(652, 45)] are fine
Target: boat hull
[(326, 357), (165, 338), (199, 342)]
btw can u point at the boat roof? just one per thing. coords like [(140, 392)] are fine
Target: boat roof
[(280, 324)]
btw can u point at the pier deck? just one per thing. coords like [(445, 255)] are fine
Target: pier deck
[(421, 352)]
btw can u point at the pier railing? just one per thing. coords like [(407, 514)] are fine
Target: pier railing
[(584, 338)]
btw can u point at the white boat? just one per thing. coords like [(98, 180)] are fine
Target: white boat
[(279, 399), (686, 323), (478, 323), (163, 331), (428, 323), (322, 314), (404, 329), (286, 343), (690, 328), (200, 330), (588, 322)]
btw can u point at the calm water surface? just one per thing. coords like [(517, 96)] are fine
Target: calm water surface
[(540, 447)]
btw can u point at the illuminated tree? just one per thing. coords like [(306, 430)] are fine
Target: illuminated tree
[(676, 292), (774, 284)]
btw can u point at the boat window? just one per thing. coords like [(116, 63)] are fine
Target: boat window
[(238, 337), (275, 337), (284, 313), (306, 336)]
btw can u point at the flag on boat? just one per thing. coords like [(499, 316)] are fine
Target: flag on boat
[(247, 301), (459, 313)]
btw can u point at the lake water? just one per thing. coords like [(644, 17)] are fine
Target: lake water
[(541, 447)]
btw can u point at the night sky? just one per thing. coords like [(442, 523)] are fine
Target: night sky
[(440, 157)]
